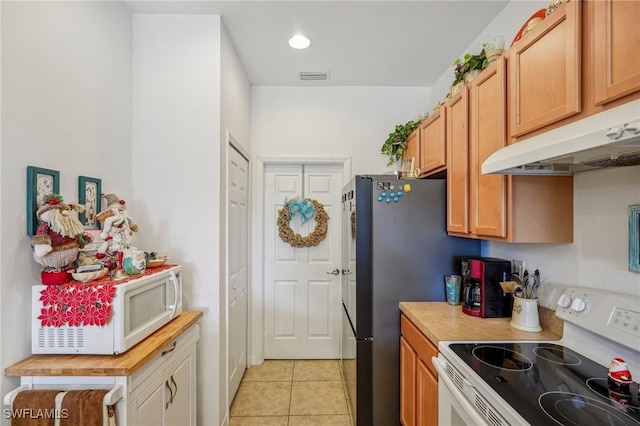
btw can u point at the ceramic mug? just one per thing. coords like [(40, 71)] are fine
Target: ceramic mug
[(134, 262)]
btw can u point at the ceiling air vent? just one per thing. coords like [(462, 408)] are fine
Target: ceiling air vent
[(314, 75)]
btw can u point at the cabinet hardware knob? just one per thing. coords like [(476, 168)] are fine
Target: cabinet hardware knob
[(166, 383), (175, 392), (173, 347)]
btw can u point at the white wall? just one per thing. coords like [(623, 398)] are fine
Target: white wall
[(598, 257), (66, 105), (235, 121), (507, 24), (599, 254), (331, 121), (176, 157)]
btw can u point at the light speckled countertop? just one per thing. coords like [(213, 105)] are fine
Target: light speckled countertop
[(441, 321)]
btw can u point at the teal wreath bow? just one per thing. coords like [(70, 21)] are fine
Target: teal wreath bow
[(302, 206)]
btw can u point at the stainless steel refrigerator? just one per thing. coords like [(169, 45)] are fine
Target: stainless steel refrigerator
[(395, 248)]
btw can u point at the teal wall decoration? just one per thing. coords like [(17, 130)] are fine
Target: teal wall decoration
[(89, 190), (40, 182)]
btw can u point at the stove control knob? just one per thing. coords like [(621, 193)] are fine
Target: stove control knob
[(578, 305), (564, 301)]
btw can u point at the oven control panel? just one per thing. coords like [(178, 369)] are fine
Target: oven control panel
[(613, 315), (626, 320)]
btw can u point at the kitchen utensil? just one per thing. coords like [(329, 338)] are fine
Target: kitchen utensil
[(536, 284)]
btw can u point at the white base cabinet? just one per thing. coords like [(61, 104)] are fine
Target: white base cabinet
[(167, 397), (160, 393)]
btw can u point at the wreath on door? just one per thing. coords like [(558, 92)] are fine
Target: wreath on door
[(307, 209)]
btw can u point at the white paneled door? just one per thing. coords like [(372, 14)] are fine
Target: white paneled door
[(302, 293), (238, 237)]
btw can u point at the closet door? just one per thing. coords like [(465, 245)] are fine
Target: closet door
[(238, 266)]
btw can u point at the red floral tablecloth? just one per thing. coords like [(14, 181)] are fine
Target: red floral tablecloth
[(77, 303)]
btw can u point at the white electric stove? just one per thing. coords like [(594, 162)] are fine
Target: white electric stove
[(548, 383)]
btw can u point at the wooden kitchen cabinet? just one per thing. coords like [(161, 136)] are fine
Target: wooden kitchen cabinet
[(156, 378), (609, 73), (413, 148), (488, 133), (418, 377), (167, 396), (545, 71), (497, 207), (427, 145), (457, 136), (616, 36), (433, 153), (408, 380)]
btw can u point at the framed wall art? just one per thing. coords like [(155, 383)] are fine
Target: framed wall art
[(634, 238), (40, 182), (89, 190)]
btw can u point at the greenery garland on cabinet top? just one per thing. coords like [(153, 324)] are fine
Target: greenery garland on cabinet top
[(396, 143), (469, 63)]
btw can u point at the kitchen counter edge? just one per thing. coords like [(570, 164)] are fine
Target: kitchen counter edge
[(440, 321), (105, 365)]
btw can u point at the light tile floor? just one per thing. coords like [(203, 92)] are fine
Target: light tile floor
[(291, 393)]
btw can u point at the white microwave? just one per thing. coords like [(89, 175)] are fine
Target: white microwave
[(138, 308)]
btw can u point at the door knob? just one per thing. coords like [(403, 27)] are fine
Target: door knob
[(334, 272), (346, 272)]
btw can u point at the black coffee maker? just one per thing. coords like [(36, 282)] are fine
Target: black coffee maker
[(482, 295)]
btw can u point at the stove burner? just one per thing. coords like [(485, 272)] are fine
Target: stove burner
[(567, 408), (557, 354), (502, 358), (621, 397)]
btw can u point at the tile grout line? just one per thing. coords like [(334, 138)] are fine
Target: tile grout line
[(293, 371)]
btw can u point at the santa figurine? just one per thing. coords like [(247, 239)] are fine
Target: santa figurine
[(619, 374), (117, 227), (58, 238)]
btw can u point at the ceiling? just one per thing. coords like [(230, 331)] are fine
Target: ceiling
[(360, 43)]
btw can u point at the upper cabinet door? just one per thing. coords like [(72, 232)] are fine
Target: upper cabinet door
[(488, 133), (457, 162), (433, 153), (544, 71), (616, 49), (413, 148)]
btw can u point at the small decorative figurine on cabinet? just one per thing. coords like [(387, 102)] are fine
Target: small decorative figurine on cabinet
[(117, 227), (58, 238)]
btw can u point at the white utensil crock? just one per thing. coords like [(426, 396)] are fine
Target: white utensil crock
[(525, 314)]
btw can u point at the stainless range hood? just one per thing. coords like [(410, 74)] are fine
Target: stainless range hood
[(608, 139)]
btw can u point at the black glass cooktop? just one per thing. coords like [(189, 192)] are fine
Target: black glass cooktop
[(549, 384)]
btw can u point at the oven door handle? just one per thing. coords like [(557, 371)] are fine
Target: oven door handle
[(460, 397)]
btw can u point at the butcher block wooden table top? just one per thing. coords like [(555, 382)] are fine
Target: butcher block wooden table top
[(105, 365), (441, 321)]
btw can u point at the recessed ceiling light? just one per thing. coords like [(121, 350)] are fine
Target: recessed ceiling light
[(299, 42)]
